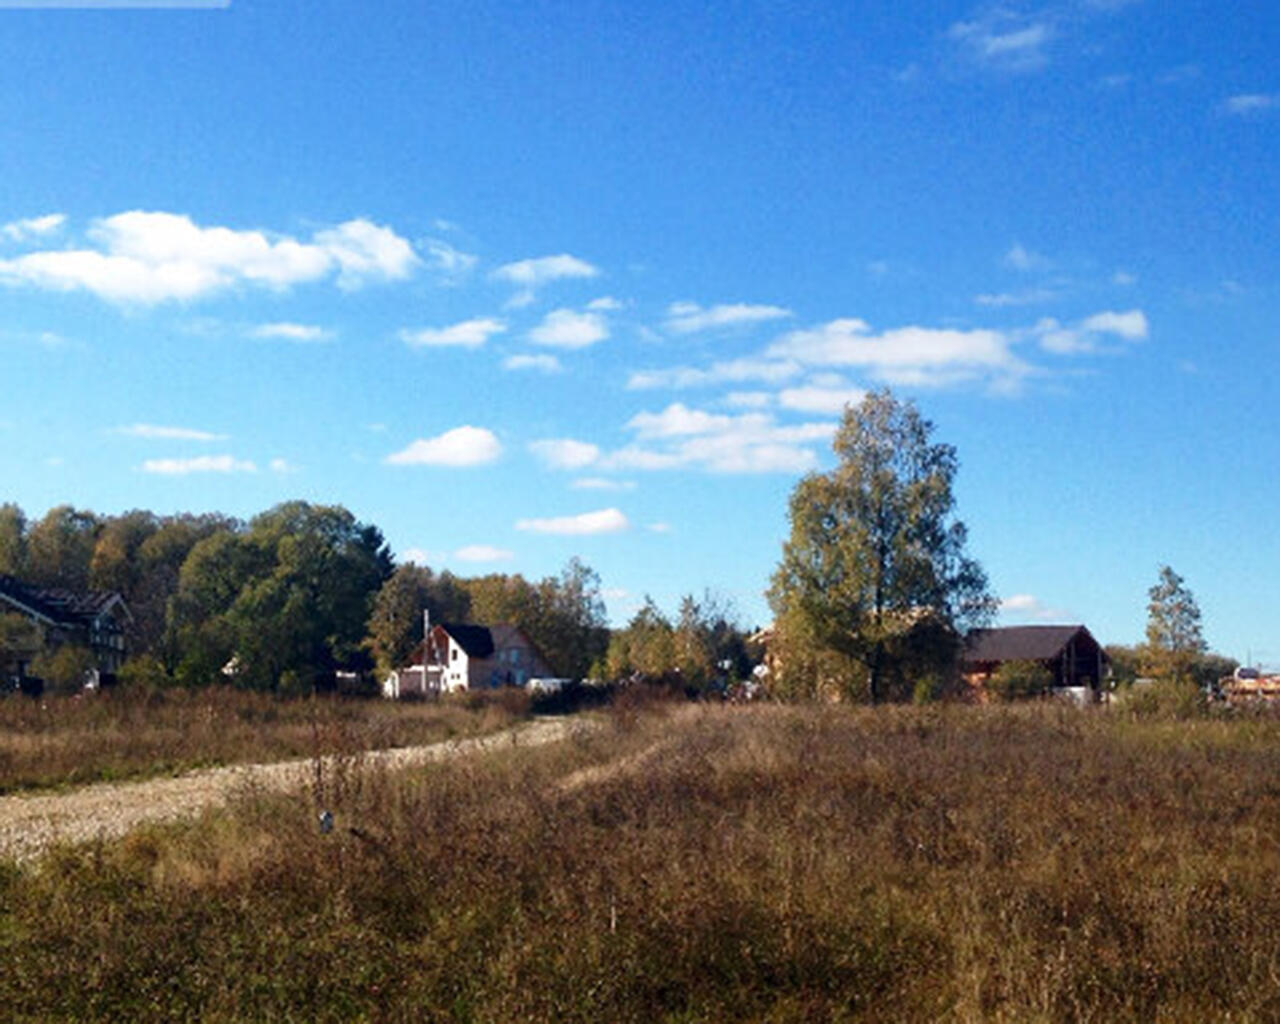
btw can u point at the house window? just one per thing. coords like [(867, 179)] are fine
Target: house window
[(454, 654)]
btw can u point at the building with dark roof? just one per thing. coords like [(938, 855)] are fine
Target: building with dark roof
[(463, 656), (1070, 653), (92, 619)]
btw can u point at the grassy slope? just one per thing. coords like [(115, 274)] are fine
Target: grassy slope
[(765, 864)]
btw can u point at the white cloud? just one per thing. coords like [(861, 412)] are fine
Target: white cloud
[(1028, 606), (461, 446), (682, 438), (1123, 278), (418, 556), (199, 464), (1019, 257), (1252, 103), (601, 483), (1026, 297), (689, 317), (659, 527), (733, 371), (534, 273), (606, 304), (291, 332), (146, 257), (444, 260), (608, 520), (32, 227), (748, 399), (920, 356), (152, 432), (825, 400), (1085, 337), (467, 334), (544, 363), (565, 453), (283, 466), (1003, 40), (367, 251), (564, 328), (1131, 325), (483, 553)]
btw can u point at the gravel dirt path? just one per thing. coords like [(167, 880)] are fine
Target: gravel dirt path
[(29, 824)]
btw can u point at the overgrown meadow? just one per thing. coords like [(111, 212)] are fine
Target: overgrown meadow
[(130, 733), (701, 863)]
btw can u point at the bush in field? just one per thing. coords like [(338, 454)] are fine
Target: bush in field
[(65, 669), (1178, 699), (1015, 680), (145, 672)]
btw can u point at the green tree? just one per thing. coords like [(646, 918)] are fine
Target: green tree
[(13, 540), (1015, 680), (1175, 641), (21, 640), (874, 548), (60, 548), (396, 622)]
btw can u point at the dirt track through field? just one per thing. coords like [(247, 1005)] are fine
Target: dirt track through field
[(29, 824)]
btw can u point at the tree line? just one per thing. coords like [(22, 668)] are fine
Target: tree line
[(285, 601)]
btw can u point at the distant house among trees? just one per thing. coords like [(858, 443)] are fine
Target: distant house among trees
[(458, 656), (1070, 656), (58, 622)]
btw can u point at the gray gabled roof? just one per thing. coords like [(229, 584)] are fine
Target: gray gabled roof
[(56, 606), (1020, 643)]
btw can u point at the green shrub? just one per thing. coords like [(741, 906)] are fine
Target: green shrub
[(1016, 680)]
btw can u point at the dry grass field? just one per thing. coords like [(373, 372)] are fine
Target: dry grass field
[(702, 864), (127, 734)]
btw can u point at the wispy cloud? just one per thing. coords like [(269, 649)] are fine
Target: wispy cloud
[(690, 318), (1088, 334), (154, 432), (541, 362), (144, 258), (1025, 297), (734, 371), (608, 520), (602, 483), (567, 329), (283, 467), (446, 262), (534, 273), (565, 453), (1247, 104), (819, 399), (461, 446), (32, 227), (301, 333), (1019, 257), (1029, 607), (200, 464), (679, 437), (1003, 40), (467, 334), (919, 356), (483, 553)]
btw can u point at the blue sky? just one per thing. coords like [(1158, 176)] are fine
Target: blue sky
[(523, 281)]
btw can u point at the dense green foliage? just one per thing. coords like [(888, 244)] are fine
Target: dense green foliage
[(705, 645), (1015, 680), (874, 570), (1174, 637), (283, 602), (764, 864)]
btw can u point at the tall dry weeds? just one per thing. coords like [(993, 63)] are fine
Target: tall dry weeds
[(765, 864)]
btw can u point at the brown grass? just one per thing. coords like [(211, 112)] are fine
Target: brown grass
[(769, 864), (125, 733)]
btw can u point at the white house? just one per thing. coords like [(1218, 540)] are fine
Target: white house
[(457, 656)]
